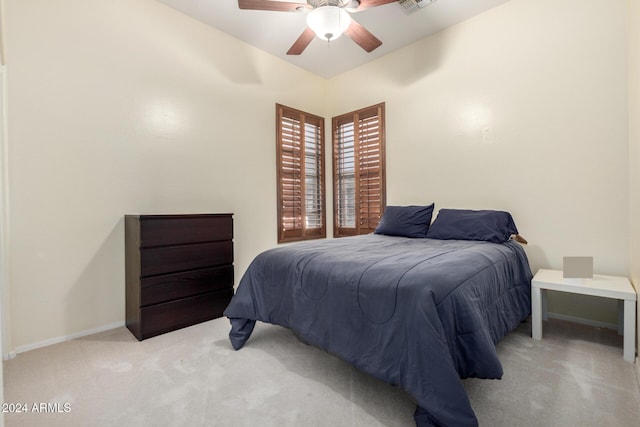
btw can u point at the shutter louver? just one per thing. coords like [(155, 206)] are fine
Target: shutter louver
[(314, 177), (290, 179), (346, 185), (370, 172)]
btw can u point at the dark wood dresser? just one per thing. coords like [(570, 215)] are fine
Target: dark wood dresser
[(179, 270)]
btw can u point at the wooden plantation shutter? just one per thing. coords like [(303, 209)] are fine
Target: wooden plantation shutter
[(370, 170), (300, 169), (358, 165), (344, 175)]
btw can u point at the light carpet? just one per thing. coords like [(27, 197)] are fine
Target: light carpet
[(575, 376)]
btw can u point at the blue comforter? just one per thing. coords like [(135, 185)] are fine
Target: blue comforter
[(420, 313)]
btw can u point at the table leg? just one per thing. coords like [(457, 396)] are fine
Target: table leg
[(629, 346), (620, 317), (536, 313)]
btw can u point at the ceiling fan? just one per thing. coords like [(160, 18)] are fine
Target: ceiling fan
[(327, 19)]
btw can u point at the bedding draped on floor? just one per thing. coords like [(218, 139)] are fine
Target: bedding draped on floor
[(419, 313)]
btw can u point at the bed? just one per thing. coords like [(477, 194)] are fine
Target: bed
[(419, 312)]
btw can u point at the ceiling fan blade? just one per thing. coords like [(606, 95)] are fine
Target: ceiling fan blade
[(303, 41), (362, 36), (277, 6), (366, 4)]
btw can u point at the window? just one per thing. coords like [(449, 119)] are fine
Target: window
[(301, 192), (358, 171)]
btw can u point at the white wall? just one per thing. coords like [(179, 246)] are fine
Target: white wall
[(5, 293), (127, 106), (4, 248), (522, 108), (633, 29)]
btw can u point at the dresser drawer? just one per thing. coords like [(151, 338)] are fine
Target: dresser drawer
[(157, 230), (168, 287), (160, 318), (172, 259)]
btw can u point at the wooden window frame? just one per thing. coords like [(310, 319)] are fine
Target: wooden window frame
[(367, 210), (291, 179)]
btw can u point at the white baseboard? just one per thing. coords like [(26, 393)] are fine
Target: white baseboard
[(583, 321), (58, 340), (64, 338)]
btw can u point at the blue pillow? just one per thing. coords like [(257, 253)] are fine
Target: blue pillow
[(406, 221), (460, 224)]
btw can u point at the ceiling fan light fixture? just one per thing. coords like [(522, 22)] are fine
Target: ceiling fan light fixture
[(328, 22)]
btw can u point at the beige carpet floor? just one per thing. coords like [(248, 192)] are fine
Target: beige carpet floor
[(575, 376)]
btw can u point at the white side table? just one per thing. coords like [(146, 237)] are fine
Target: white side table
[(602, 286)]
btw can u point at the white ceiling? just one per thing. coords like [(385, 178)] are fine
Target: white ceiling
[(275, 32)]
